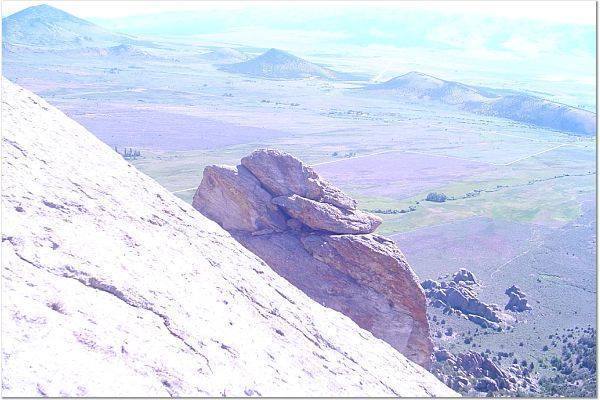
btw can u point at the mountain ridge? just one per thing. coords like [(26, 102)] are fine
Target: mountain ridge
[(516, 106)]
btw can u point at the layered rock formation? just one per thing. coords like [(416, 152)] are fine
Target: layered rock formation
[(326, 247), (111, 286)]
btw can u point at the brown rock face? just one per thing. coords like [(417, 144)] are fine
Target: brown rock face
[(234, 198), (338, 290), (311, 233), (283, 175), (326, 217), (377, 263)]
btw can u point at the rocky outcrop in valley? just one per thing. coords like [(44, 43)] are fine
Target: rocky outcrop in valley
[(460, 297), (517, 300)]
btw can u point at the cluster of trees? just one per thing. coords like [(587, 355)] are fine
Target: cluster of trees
[(347, 155), (392, 210), (129, 153), (575, 367), (436, 197)]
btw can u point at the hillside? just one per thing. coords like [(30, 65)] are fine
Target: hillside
[(515, 106), (279, 64), (44, 26), (423, 86), (224, 55), (103, 267)]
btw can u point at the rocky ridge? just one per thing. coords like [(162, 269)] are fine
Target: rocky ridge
[(312, 234), (104, 268), (512, 105)]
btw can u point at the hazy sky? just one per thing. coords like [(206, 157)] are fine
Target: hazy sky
[(545, 46), (575, 12)]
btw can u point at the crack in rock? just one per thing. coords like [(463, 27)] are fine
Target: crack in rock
[(94, 283)]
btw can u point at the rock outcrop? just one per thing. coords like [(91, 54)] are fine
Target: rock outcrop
[(460, 297), (464, 275), (111, 286), (517, 300), (328, 249)]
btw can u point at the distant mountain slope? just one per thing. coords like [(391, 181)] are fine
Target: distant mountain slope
[(422, 86), (111, 286), (48, 27), (278, 64), (224, 56), (516, 106), (122, 51)]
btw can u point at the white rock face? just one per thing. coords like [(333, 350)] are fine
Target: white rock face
[(111, 286)]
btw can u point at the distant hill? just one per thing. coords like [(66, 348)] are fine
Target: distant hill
[(224, 56), (278, 64), (120, 51), (44, 26), (513, 105), (423, 86)]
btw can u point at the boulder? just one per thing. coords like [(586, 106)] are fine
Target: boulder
[(471, 370), (486, 385), (294, 224), (377, 263), (430, 284), (482, 322), (464, 275), (283, 175), (336, 288), (459, 383), (514, 290), (467, 303), (233, 197), (326, 217)]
